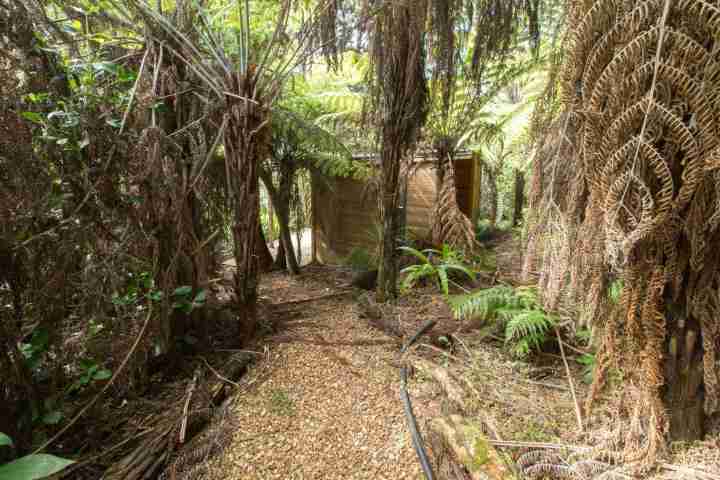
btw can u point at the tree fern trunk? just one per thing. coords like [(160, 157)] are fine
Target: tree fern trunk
[(493, 208), (246, 141), (387, 269), (519, 197), (683, 391)]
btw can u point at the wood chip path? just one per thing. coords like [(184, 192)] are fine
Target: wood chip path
[(318, 411)]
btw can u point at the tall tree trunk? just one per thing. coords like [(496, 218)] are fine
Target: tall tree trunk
[(247, 142), (519, 197), (401, 94)]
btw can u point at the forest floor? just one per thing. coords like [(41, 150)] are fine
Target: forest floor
[(324, 403), (321, 399)]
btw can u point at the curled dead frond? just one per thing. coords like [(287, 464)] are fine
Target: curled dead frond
[(641, 89)]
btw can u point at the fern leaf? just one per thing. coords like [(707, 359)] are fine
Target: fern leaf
[(416, 253), (443, 280), (461, 268)]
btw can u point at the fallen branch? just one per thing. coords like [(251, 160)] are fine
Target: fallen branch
[(441, 375), (469, 447)]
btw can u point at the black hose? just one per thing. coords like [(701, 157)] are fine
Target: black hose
[(412, 424), (407, 405), (428, 325)]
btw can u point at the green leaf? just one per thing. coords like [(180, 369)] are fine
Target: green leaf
[(200, 297), (443, 280), (32, 116), (416, 253), (463, 269), (52, 418), (155, 295), (33, 467), (5, 441), (103, 374), (183, 291)]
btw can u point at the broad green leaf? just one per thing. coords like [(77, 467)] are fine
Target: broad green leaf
[(463, 269), (155, 295), (32, 116), (416, 253), (443, 279), (183, 291), (5, 441), (33, 467)]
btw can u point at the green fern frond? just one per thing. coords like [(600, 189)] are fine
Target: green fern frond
[(530, 324), (526, 324), (482, 303)]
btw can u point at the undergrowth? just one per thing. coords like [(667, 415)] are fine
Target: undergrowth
[(525, 324)]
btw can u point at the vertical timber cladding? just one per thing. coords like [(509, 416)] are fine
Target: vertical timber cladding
[(347, 215)]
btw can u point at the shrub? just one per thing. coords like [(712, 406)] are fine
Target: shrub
[(435, 264), (526, 324)]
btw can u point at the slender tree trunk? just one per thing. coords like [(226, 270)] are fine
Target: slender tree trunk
[(265, 258), (519, 197), (280, 198), (388, 266), (280, 258), (493, 211), (286, 240)]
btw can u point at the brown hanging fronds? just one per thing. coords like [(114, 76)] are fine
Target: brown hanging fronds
[(630, 186)]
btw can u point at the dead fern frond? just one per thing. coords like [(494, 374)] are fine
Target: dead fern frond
[(642, 82)]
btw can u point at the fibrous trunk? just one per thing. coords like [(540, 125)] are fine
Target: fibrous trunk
[(401, 92), (493, 198), (519, 203), (388, 268), (246, 142)]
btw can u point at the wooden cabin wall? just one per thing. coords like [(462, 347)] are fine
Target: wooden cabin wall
[(347, 214)]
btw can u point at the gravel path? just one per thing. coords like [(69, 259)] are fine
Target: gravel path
[(322, 412)]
